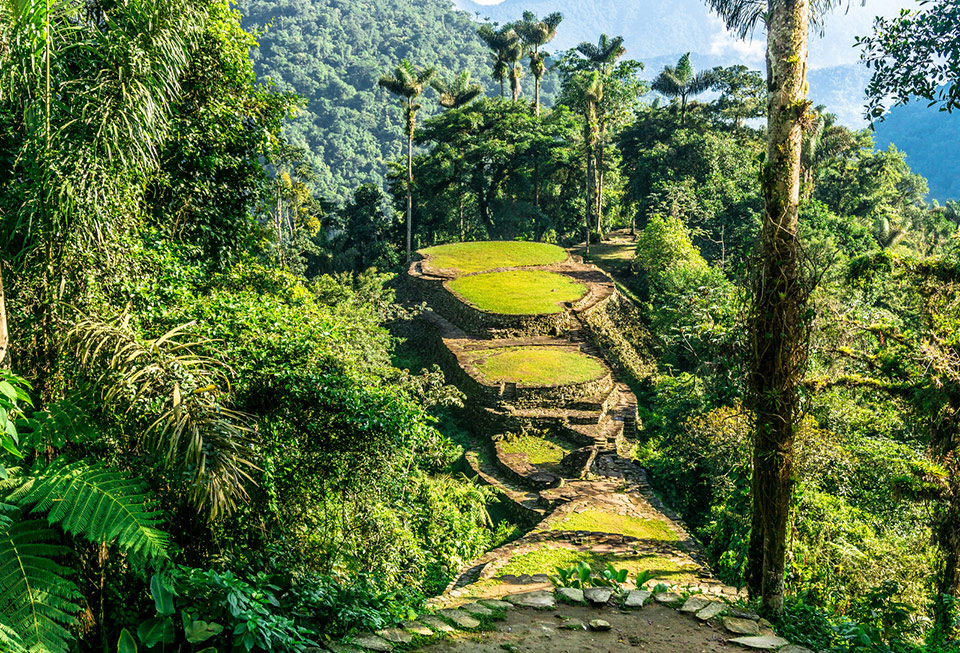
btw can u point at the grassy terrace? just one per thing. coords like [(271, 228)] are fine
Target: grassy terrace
[(518, 292), (543, 452), (546, 559), (482, 256), (605, 522), (537, 366)]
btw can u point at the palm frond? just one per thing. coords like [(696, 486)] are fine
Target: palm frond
[(37, 599), (743, 17), (176, 391), (89, 499)]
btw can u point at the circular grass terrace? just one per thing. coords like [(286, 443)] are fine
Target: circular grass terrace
[(518, 292), (468, 258), (537, 366)]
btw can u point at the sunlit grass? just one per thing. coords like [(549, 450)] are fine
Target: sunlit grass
[(481, 256), (546, 559), (539, 451), (537, 366), (607, 522), (518, 292)]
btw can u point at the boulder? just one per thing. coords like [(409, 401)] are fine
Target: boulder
[(494, 604)]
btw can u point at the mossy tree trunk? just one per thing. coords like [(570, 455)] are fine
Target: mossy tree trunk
[(4, 329), (778, 319)]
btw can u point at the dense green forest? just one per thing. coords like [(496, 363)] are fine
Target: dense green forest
[(215, 434)]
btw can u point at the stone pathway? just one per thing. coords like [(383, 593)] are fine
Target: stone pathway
[(573, 620), (595, 505)]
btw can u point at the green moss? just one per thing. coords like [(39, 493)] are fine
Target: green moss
[(518, 292), (538, 450), (546, 559), (537, 366), (482, 256), (606, 522)]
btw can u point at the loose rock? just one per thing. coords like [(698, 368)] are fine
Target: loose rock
[(438, 624), (342, 648), (599, 625), (416, 628), (636, 599), (494, 604), (741, 626), (598, 595), (570, 594), (694, 604), (477, 610), (713, 609), (372, 642), (667, 597), (538, 599), (461, 619), (743, 614), (395, 635), (764, 642)]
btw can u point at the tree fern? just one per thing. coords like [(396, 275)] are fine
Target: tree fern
[(37, 599), (89, 499)]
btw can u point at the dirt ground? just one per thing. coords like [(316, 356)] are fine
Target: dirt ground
[(653, 629)]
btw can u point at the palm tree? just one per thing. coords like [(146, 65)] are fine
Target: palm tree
[(458, 92), (455, 94), (604, 54), (535, 34), (601, 58), (408, 83), (778, 314), (592, 90), (507, 51), (681, 82)]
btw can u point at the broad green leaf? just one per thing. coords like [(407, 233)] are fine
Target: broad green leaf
[(162, 597), (153, 631), (127, 643)]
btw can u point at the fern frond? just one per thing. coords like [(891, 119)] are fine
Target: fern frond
[(37, 599), (89, 499), (9, 639)]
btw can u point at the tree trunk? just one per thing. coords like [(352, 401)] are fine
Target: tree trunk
[(600, 164), (683, 109), (4, 330), (777, 322), (410, 120)]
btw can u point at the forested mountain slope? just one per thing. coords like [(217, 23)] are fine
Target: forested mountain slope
[(332, 53), (931, 140)]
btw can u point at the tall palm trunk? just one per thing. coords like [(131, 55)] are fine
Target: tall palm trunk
[(599, 173), (411, 117), (588, 138), (4, 330), (779, 349)]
